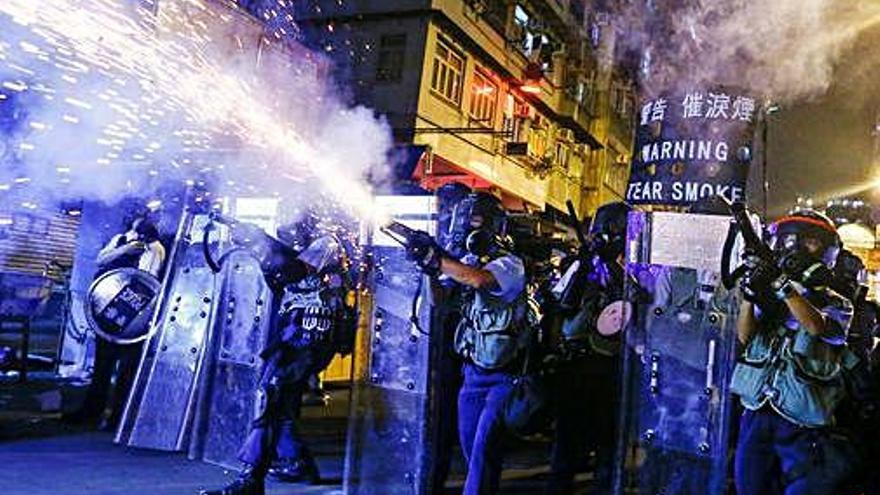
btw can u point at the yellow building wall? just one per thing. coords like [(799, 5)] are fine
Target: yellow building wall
[(483, 155)]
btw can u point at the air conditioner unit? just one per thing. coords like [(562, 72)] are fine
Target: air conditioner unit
[(516, 149)]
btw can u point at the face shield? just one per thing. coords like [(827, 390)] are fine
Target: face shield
[(477, 224), (323, 253), (806, 236)]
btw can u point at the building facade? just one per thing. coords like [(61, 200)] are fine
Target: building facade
[(517, 97)]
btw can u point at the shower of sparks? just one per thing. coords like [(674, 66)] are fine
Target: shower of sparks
[(154, 90)]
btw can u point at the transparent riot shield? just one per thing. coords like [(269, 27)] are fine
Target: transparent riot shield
[(678, 358), (195, 387), (389, 438), (159, 410), (228, 384)]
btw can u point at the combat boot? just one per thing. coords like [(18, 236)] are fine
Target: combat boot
[(303, 470), (249, 482)]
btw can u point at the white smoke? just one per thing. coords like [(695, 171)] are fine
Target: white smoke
[(121, 99), (782, 49)]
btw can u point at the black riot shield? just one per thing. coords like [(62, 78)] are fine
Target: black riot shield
[(389, 439), (678, 358)]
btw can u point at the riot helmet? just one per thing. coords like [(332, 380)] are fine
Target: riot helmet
[(298, 234), (479, 223), (608, 230), (808, 234)]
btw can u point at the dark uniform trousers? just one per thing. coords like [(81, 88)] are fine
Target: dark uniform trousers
[(481, 427), (110, 358), (812, 460), (285, 375), (585, 390)]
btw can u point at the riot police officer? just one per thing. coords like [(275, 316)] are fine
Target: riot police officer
[(491, 335), (314, 321), (447, 379), (848, 281), (587, 345), (137, 247), (789, 377), (859, 414)]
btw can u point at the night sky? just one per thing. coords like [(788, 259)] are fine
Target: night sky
[(825, 145)]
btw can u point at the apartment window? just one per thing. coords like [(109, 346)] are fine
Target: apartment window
[(447, 73), (515, 114), (621, 99), (392, 52), (563, 154), (484, 99), (535, 41), (528, 31), (538, 137)]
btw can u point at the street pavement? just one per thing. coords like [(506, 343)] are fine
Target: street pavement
[(40, 455)]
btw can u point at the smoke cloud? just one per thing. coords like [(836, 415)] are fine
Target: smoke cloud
[(782, 49), (111, 99)]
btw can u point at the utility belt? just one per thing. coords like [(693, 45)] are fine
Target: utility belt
[(589, 346), (514, 367)]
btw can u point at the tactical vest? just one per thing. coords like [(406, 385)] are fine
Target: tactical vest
[(799, 375), (313, 310), (579, 332), (492, 332)]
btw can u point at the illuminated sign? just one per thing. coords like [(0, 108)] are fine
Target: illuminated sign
[(690, 146)]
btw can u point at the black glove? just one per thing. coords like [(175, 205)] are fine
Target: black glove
[(424, 251), (805, 270), (765, 283)]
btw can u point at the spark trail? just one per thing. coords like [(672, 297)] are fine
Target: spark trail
[(119, 95)]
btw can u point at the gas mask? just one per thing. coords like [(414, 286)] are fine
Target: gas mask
[(850, 276), (478, 226), (608, 231), (806, 243)]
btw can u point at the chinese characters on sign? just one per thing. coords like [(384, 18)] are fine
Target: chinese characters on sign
[(697, 105), (690, 146)]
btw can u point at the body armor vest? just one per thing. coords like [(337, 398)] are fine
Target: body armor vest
[(492, 332), (312, 310), (799, 375)]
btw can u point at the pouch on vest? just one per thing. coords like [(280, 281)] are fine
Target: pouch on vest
[(491, 333)]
